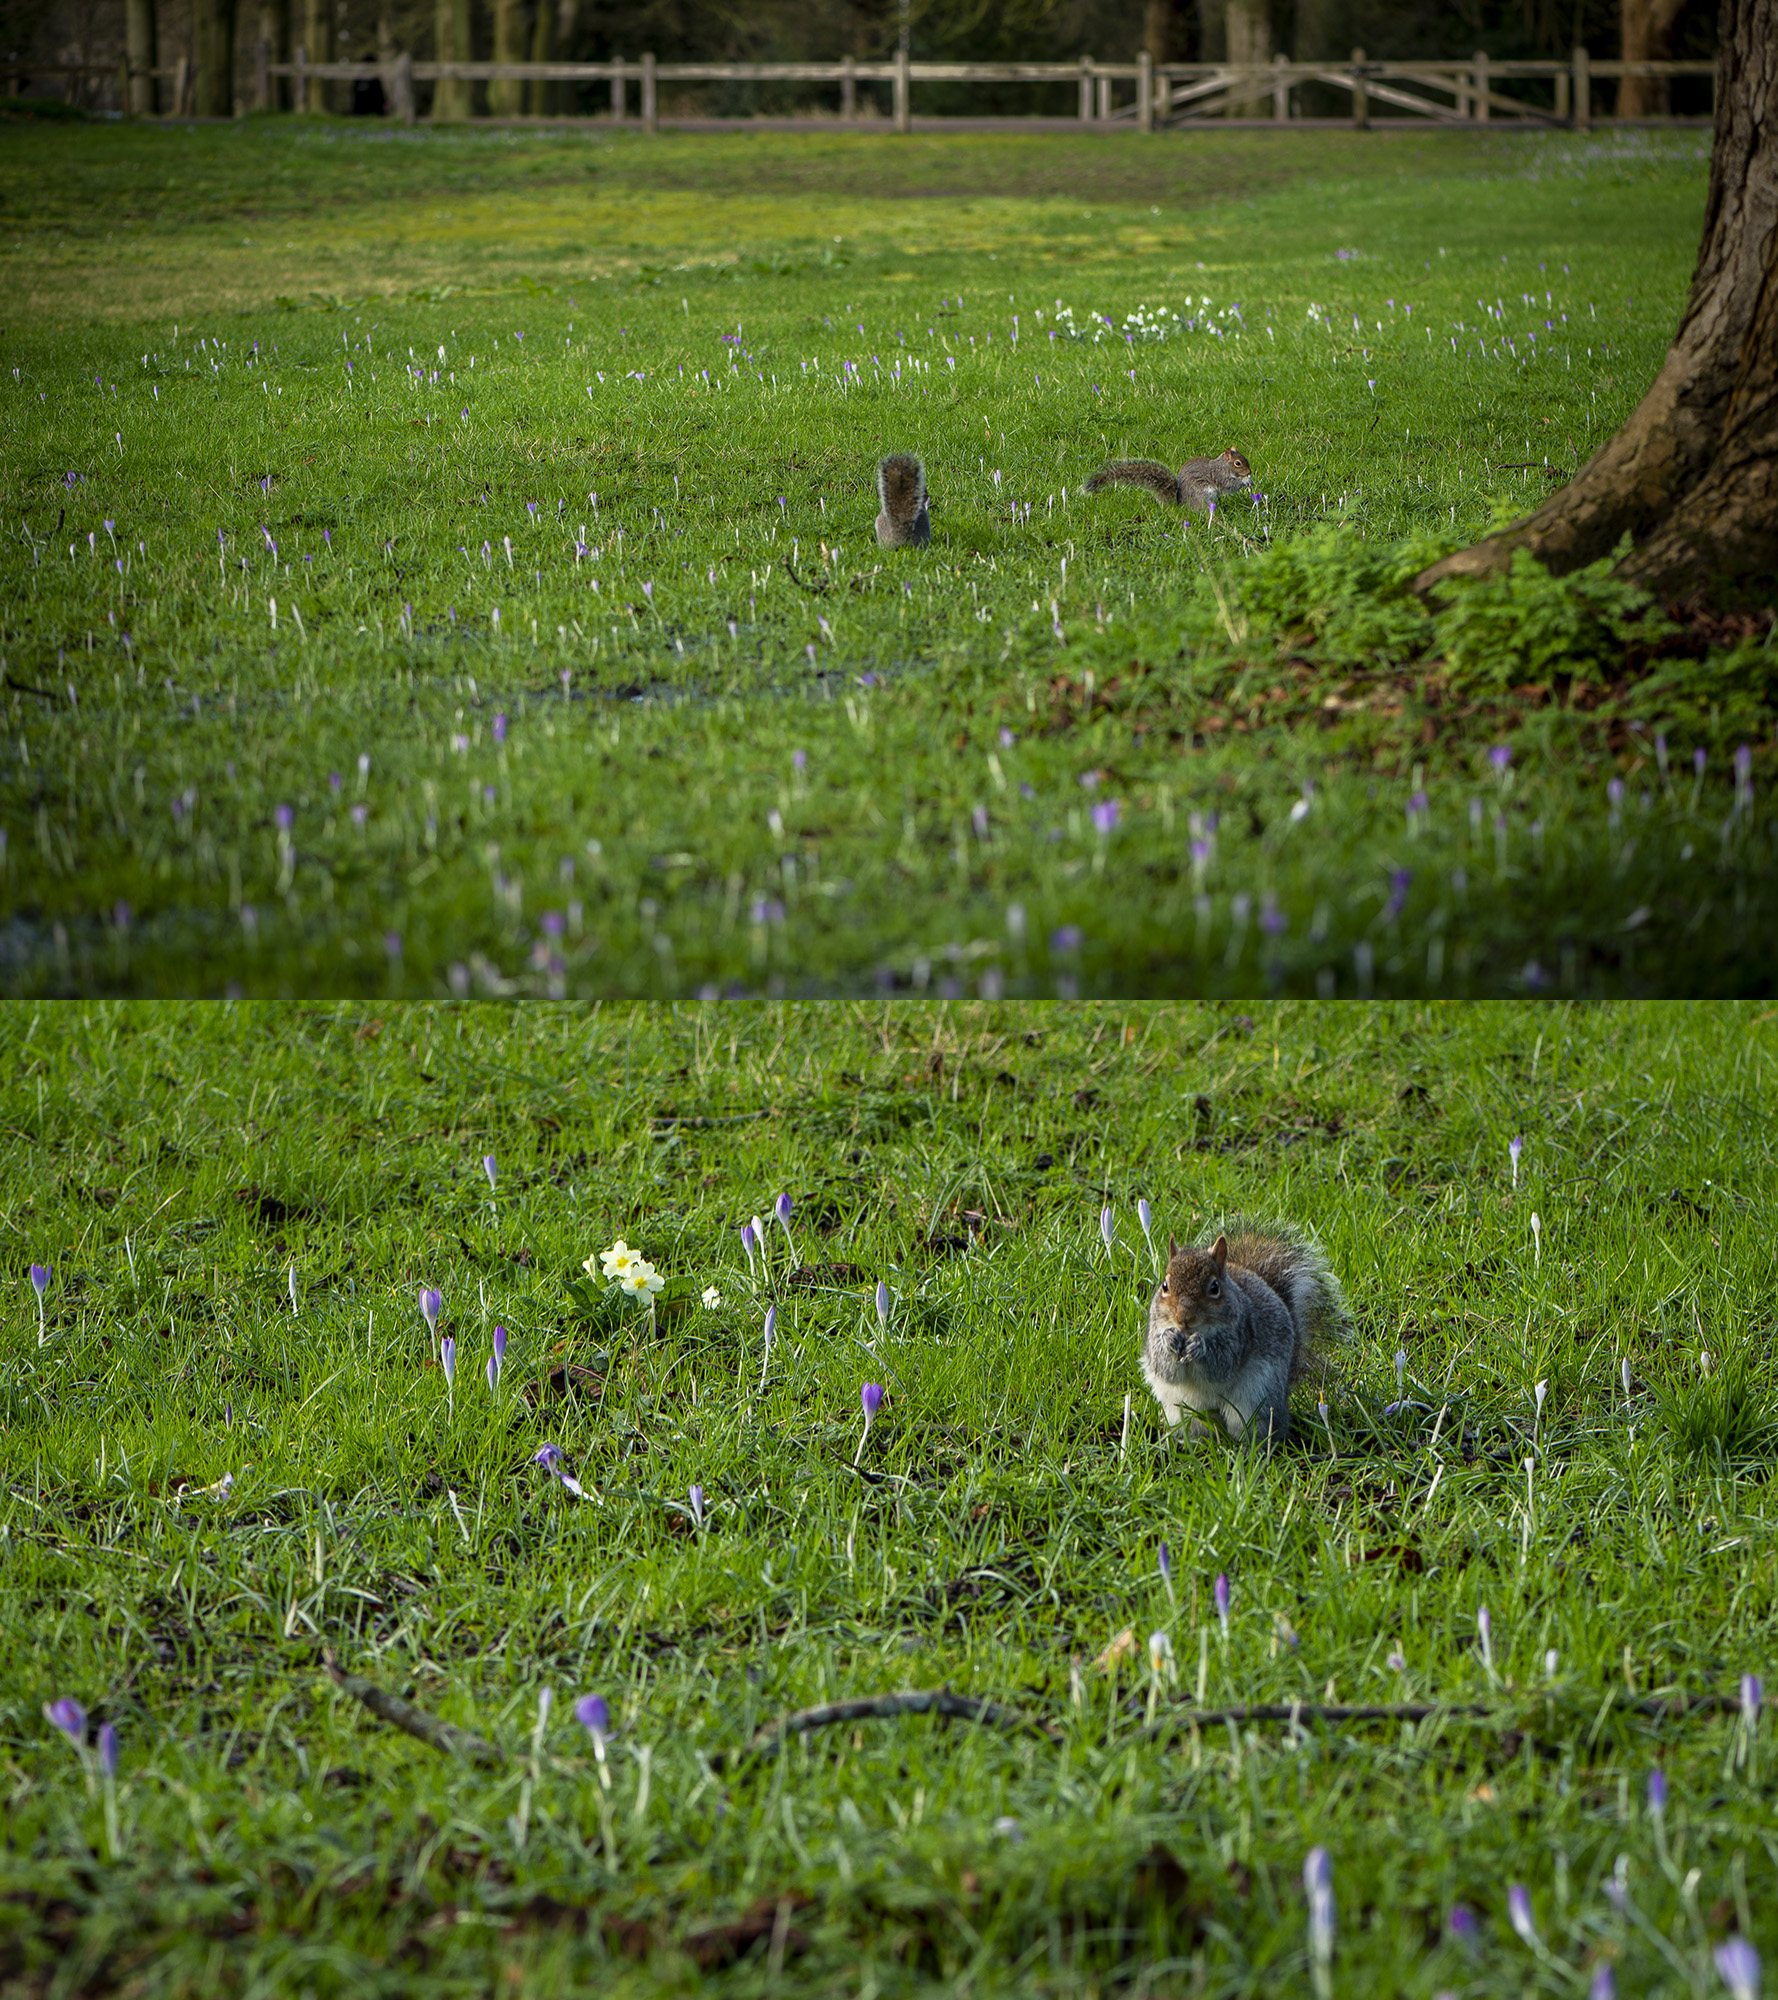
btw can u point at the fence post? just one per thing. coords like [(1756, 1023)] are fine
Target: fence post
[(403, 106), (1481, 85), (1144, 91), (262, 75), (1583, 89), (650, 114), (617, 88), (1280, 89), (1361, 98), (849, 89), (1086, 90), (904, 117)]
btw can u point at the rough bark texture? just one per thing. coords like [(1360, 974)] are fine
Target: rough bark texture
[(1692, 477), (140, 43), (1247, 25), (318, 39), (538, 95), (274, 28), (1645, 27), (507, 99), (213, 28)]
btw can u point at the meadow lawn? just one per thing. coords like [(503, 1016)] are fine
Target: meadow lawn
[(1537, 1514), (443, 561)]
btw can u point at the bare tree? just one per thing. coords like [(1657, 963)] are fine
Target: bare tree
[(141, 45), (1692, 477), (507, 99), (214, 25)]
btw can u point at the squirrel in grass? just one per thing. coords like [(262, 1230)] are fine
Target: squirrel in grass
[(1232, 1329), (1198, 483), (901, 487)]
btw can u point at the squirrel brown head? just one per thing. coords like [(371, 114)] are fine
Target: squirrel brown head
[(1194, 1292), (1236, 463)]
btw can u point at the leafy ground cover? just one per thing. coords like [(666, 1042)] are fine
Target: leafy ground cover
[(227, 1445), (444, 560)]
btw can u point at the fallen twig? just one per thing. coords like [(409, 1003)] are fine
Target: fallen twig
[(916, 1701), (1660, 1707), (430, 1729)]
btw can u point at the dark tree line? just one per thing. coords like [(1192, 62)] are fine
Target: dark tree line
[(220, 36)]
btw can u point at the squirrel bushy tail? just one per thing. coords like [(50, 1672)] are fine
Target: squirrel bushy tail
[(901, 487), (1298, 1271), (1159, 479)]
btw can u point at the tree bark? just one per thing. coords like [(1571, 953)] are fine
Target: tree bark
[(1247, 26), (274, 27), (318, 40), (140, 45), (1646, 26), (1692, 478), (452, 98), (505, 99), (214, 36), (538, 95)]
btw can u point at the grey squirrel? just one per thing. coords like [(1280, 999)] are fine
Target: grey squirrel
[(901, 487), (1197, 483), (1232, 1329)]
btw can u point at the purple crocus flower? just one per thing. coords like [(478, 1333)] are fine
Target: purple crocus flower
[(430, 1302), (493, 1375), (1108, 1229), (1699, 760), (1657, 1791), (108, 1750), (500, 1346), (1145, 1216), (1398, 892), (1753, 1693), (1318, 1887), (747, 1243), (781, 1209), (1067, 937), (40, 1279), (870, 1398), (765, 1359), (1500, 757), (1105, 816), (1515, 1147), (595, 1718), (1604, 1982), (1222, 1602), (1738, 1963), (882, 1304), (549, 1456), (1518, 1911), (1462, 1923), (488, 1169), (447, 1360), (285, 817), (696, 1498), (70, 1718), (500, 727), (1166, 1565)]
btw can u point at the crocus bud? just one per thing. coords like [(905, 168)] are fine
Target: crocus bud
[(594, 1717), (108, 1750), (1657, 1791), (882, 1303), (1518, 1910), (447, 1359), (500, 1345), (69, 1717), (871, 1397), (430, 1301), (1166, 1562), (1222, 1602), (1145, 1216), (40, 1278), (488, 1169), (1107, 1229)]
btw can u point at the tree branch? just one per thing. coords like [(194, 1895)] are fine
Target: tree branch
[(918, 1701), (430, 1729)]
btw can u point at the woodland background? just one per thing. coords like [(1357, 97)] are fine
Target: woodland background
[(98, 31)]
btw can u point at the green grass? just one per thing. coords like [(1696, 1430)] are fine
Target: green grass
[(741, 749), (182, 1169)]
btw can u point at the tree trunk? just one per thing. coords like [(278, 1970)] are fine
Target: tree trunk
[(318, 40), (214, 36), (451, 97), (1692, 477), (140, 44), (1646, 25), (538, 95), (505, 99), (274, 28), (1248, 27)]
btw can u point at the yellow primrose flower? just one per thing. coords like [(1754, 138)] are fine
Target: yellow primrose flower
[(617, 1260), (641, 1280)]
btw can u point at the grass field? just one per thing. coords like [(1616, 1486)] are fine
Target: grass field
[(443, 561), (1558, 1405)]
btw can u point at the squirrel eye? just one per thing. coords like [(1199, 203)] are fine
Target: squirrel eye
[(1216, 1288), (1163, 1284)]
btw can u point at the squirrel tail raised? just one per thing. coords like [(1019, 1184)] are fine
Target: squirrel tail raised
[(1298, 1271), (1159, 479), (901, 488)]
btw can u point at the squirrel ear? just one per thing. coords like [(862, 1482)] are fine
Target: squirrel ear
[(1220, 1251), (1172, 1246)]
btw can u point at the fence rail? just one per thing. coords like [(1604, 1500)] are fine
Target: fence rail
[(1142, 93)]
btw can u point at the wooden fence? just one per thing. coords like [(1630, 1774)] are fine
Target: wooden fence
[(1140, 95)]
